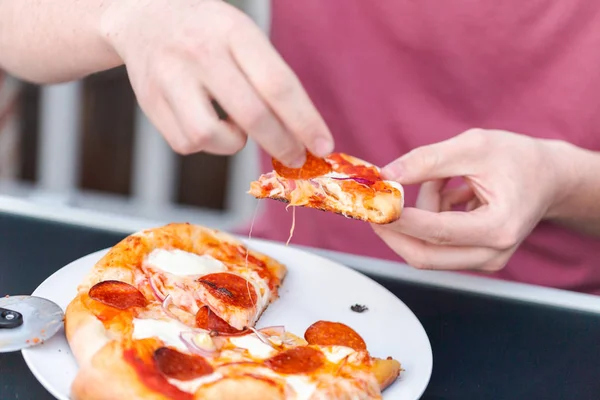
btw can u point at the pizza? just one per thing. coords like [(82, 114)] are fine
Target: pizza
[(172, 312), (338, 183)]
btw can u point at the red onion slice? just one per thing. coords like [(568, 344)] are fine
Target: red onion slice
[(187, 338), (155, 289), (165, 306), (234, 334), (278, 330), (262, 337)]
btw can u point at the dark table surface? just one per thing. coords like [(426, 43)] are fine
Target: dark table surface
[(483, 347)]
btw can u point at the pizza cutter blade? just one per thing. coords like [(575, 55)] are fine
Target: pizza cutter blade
[(27, 321)]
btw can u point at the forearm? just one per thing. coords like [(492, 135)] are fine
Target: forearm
[(577, 199), (54, 40)]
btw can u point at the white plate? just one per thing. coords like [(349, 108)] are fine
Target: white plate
[(315, 288)]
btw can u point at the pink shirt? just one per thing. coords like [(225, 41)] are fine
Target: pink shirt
[(391, 75)]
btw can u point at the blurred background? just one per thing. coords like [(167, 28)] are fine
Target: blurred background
[(87, 144)]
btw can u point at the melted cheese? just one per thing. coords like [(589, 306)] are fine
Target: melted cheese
[(336, 175), (167, 331), (254, 346), (262, 290), (332, 182), (335, 354), (302, 385), (327, 178), (194, 384), (183, 263), (233, 356), (293, 226), (394, 184), (204, 341)]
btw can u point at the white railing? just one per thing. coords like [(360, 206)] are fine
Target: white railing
[(153, 180)]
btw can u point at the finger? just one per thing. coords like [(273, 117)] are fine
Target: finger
[(473, 204), (429, 197), (244, 106), (280, 88), (456, 196), (453, 157), (456, 228), (423, 255), (198, 120), (161, 116)]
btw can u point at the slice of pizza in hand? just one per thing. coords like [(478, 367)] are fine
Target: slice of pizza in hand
[(338, 183)]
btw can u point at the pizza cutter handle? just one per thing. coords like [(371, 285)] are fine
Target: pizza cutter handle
[(10, 319)]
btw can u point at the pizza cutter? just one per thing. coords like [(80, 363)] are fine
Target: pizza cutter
[(27, 321)]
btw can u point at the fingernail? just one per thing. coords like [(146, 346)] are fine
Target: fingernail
[(299, 162), (392, 171), (323, 147)]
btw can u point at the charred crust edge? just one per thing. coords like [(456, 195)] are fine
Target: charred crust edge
[(387, 220)]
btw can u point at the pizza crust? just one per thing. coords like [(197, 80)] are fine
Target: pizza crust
[(394, 208), (85, 334), (386, 371), (108, 376), (230, 389), (128, 254)]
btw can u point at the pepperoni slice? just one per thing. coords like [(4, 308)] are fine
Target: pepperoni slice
[(298, 360), (326, 333), (366, 172), (312, 168), (117, 294), (183, 367), (208, 320), (148, 373), (231, 289)]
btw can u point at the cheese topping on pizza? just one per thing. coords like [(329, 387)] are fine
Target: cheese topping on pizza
[(299, 367), (183, 263), (198, 276), (176, 313), (338, 183), (191, 359)]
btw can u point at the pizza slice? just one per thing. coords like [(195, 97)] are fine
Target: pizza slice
[(170, 313), (330, 362), (338, 183), (173, 276)]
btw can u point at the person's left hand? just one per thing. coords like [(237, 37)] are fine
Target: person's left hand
[(510, 181)]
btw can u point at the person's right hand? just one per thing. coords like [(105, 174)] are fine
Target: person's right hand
[(182, 54)]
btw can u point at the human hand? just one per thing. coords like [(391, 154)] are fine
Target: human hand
[(182, 54), (511, 180)]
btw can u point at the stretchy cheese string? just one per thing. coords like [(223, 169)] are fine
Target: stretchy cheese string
[(293, 225)]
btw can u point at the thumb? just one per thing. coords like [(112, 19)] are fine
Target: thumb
[(446, 159)]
